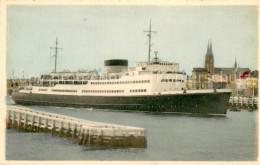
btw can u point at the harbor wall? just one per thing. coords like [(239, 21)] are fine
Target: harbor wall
[(82, 131)]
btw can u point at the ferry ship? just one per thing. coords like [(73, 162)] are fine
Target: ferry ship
[(151, 86)]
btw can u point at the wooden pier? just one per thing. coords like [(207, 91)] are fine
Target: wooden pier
[(84, 132), (243, 103)]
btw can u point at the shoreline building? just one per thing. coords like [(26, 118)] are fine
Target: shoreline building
[(209, 59), (210, 76), (199, 78), (230, 74)]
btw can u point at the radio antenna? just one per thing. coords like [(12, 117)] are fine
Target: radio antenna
[(149, 37), (56, 54)]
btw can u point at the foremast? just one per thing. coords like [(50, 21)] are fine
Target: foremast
[(56, 54), (149, 37)]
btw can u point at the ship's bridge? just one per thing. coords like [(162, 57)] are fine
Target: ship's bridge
[(157, 65)]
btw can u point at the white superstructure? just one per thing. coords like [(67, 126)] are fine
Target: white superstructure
[(144, 79)]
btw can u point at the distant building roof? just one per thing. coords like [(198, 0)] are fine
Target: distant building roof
[(199, 70), (230, 70)]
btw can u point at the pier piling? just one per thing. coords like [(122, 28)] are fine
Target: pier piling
[(84, 132), (242, 103)]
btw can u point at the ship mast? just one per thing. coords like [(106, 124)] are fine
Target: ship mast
[(56, 54), (149, 37)]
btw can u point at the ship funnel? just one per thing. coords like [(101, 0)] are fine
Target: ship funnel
[(115, 65)]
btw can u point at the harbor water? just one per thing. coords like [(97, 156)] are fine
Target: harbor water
[(169, 137)]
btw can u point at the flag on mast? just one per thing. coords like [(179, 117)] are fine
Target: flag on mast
[(244, 74)]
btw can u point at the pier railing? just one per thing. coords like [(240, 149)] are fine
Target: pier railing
[(243, 103), (83, 131)]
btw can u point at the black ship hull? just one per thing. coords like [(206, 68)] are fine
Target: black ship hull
[(199, 103)]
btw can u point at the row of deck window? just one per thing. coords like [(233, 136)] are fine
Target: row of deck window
[(43, 90), (171, 80), (121, 82), (95, 83), (62, 90), (138, 90), (71, 82), (151, 63), (102, 91), (94, 91)]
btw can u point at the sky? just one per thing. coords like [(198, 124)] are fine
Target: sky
[(88, 35)]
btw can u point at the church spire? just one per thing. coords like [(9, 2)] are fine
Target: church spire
[(208, 47), (209, 59), (235, 66), (209, 50), (211, 47)]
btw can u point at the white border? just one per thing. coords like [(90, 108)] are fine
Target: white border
[(3, 6)]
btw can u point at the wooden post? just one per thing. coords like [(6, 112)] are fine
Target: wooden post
[(8, 118), (89, 136), (74, 131), (80, 136), (25, 121), (68, 130), (46, 125), (85, 136), (98, 138), (19, 120), (39, 124), (112, 139), (13, 119), (256, 103), (32, 123), (80, 129), (61, 128), (53, 127), (101, 137)]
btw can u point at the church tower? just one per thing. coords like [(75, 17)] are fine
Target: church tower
[(209, 59)]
